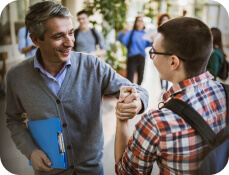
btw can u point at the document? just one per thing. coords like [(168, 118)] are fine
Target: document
[(47, 136)]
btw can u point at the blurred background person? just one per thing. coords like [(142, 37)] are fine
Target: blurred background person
[(25, 44), (133, 40), (87, 39), (218, 56), (162, 18)]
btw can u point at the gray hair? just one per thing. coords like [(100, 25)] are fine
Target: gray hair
[(39, 13)]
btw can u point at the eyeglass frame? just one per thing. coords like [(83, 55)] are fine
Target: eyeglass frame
[(151, 52)]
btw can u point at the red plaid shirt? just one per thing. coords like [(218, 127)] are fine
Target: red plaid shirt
[(164, 137)]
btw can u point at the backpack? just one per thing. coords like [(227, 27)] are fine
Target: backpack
[(26, 34), (76, 32), (218, 143), (223, 72)]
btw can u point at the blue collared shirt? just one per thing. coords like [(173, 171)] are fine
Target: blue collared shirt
[(24, 41), (54, 83)]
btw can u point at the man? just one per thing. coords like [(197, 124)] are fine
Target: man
[(25, 44), (180, 53), (86, 39), (58, 83)]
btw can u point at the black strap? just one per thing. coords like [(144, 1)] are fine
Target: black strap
[(192, 117), (76, 32), (95, 36), (130, 41), (26, 33), (226, 89)]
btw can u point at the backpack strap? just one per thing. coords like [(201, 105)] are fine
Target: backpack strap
[(76, 32), (192, 117), (130, 40), (226, 89), (95, 36), (26, 34)]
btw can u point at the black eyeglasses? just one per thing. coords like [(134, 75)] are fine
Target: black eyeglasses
[(152, 53)]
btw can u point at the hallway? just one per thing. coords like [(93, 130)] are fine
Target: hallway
[(17, 163)]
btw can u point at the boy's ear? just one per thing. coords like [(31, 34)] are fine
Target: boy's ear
[(34, 39), (174, 62)]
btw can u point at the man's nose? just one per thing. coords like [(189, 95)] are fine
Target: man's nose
[(69, 41)]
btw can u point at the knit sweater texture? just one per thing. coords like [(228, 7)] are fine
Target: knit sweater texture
[(78, 104)]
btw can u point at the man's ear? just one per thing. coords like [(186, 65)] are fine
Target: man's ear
[(34, 39), (174, 62)]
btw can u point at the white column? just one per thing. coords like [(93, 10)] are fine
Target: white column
[(12, 28), (163, 6), (74, 6)]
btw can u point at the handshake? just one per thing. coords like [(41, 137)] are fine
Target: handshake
[(128, 104)]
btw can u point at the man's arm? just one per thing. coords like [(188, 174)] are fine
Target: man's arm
[(121, 138), (130, 152), (111, 83), (99, 53), (128, 97), (19, 133)]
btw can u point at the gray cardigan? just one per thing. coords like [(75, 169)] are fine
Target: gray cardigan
[(77, 105)]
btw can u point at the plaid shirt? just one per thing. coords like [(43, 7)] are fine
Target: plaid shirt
[(165, 137)]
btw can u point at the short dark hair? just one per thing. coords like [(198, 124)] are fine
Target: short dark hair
[(190, 39), (82, 12)]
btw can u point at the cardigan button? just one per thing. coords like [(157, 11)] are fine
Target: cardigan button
[(72, 167), (69, 147), (58, 101)]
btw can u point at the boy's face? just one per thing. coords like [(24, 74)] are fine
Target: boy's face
[(58, 40), (161, 61), (83, 20)]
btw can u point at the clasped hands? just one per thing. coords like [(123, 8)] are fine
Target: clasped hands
[(128, 104)]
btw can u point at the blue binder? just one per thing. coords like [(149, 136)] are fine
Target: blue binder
[(47, 136)]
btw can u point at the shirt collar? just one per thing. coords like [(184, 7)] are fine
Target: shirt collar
[(38, 65), (187, 84)]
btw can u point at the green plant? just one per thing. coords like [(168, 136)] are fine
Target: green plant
[(116, 56), (114, 17)]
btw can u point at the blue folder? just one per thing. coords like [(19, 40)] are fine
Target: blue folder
[(47, 136)]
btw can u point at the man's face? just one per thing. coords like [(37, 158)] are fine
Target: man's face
[(83, 20), (161, 61), (58, 40)]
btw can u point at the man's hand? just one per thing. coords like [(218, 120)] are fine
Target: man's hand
[(129, 103), (40, 161)]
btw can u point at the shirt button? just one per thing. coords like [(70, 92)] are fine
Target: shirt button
[(69, 147), (58, 101), (64, 125)]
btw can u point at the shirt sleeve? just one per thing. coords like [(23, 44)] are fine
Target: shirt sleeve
[(21, 39), (124, 38), (111, 83), (16, 119), (141, 152)]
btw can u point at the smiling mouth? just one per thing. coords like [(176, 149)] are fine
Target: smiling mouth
[(65, 52)]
